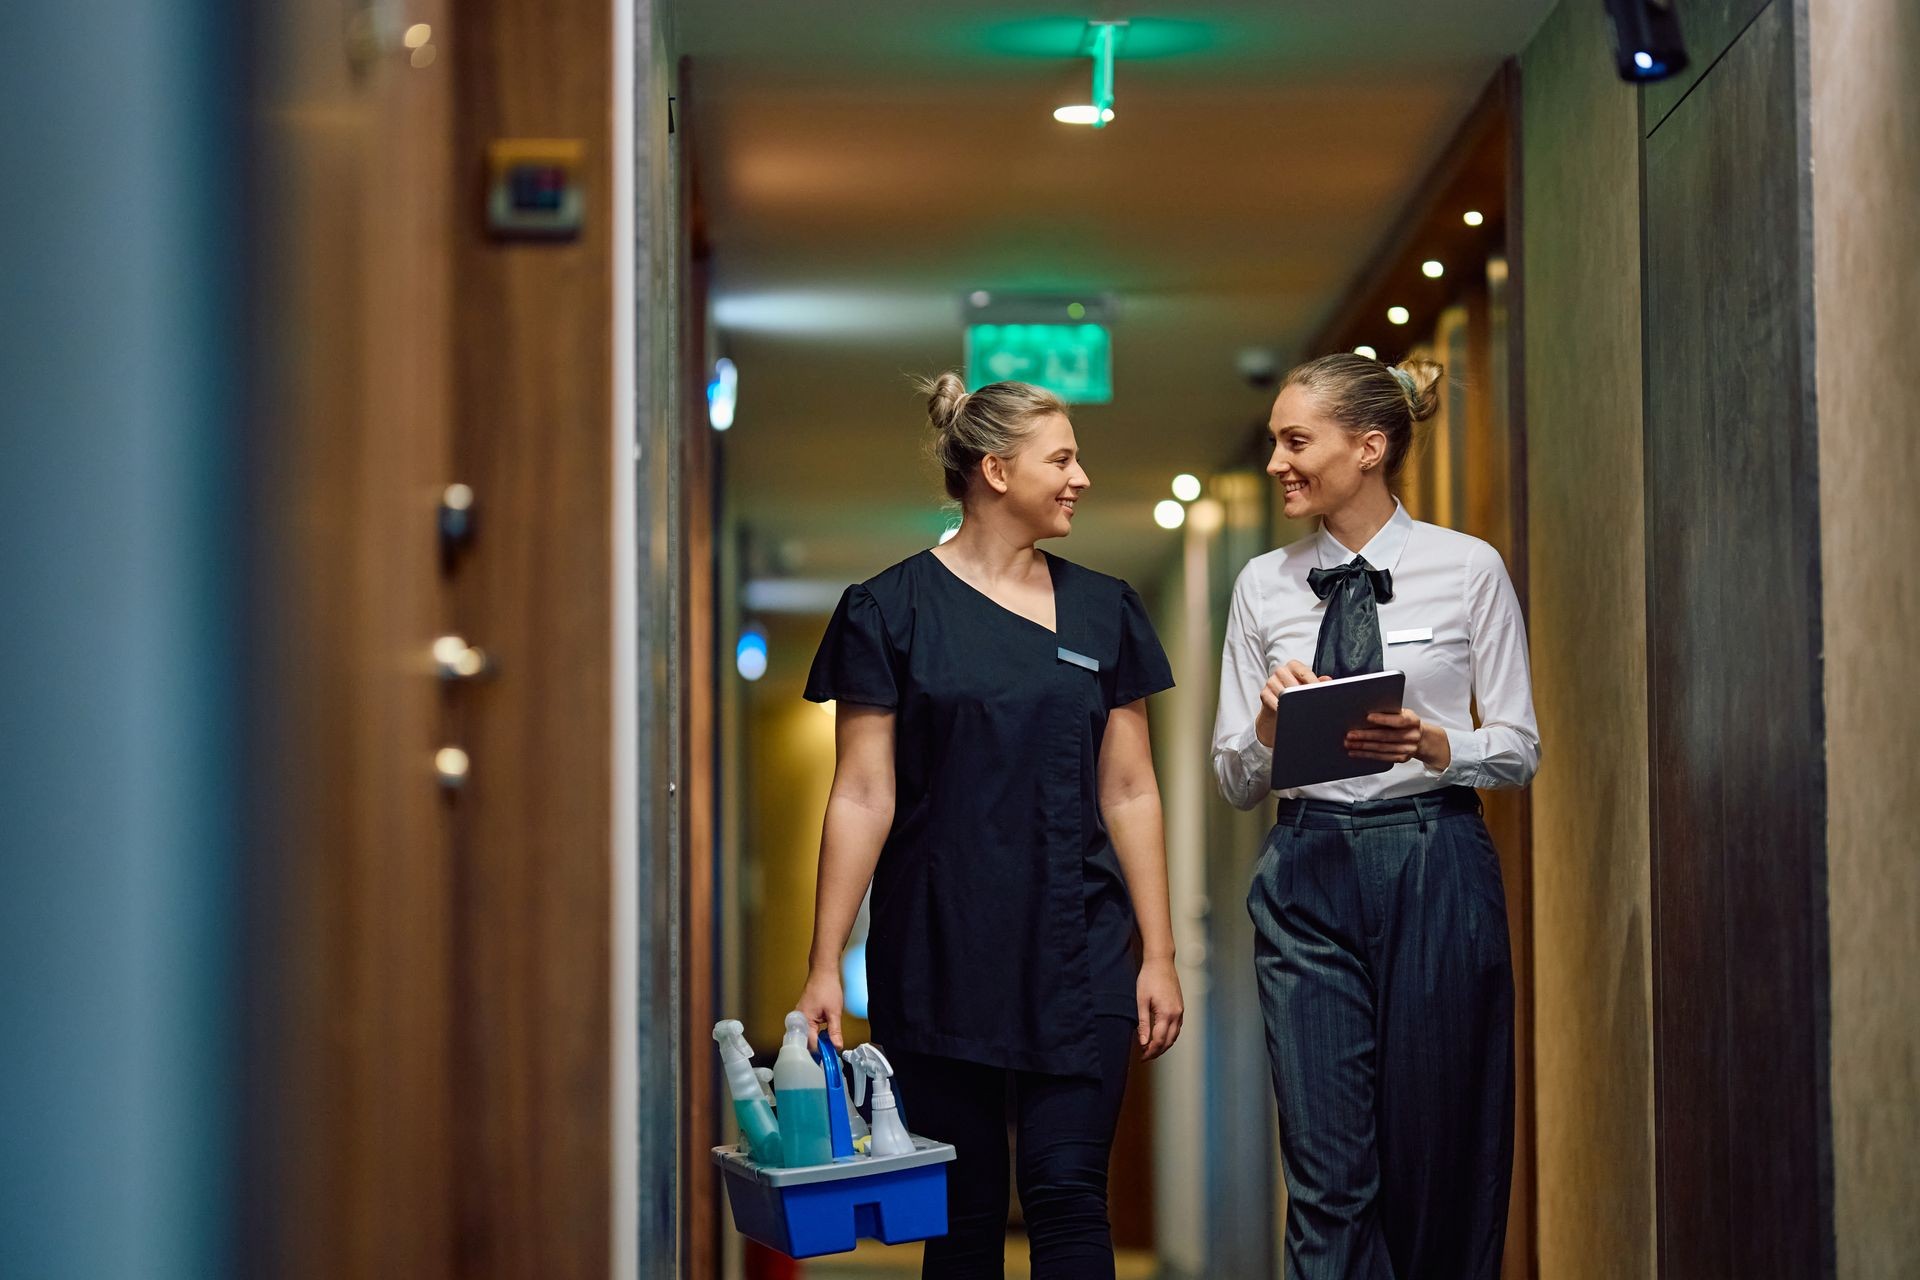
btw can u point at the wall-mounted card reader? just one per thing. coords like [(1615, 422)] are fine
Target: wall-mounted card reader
[(534, 188)]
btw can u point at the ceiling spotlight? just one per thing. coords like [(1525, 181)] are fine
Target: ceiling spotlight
[(1101, 43), (1399, 315), (1083, 113), (1186, 487), (979, 297), (1364, 350), (1169, 514), (1432, 269), (1473, 217), (1647, 44)]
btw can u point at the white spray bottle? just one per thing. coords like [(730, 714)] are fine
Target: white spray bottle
[(889, 1135), (802, 1089)]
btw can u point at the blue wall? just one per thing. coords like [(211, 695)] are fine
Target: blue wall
[(119, 595)]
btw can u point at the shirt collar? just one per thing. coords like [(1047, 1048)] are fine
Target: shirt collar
[(1383, 552)]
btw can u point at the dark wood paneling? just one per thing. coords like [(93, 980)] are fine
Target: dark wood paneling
[(533, 436), (1709, 27), (1734, 686)]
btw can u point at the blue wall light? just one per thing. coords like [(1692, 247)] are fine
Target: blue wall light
[(750, 655), (722, 393)]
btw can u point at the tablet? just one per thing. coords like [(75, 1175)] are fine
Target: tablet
[(1310, 731)]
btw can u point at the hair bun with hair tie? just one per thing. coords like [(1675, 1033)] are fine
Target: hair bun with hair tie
[(1406, 381)]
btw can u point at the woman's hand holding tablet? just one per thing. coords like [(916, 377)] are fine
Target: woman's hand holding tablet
[(1289, 675), (1401, 736)]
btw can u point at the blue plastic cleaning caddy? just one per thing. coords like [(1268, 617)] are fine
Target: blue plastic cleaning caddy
[(826, 1208)]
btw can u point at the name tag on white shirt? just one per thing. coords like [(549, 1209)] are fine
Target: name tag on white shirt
[(1410, 635)]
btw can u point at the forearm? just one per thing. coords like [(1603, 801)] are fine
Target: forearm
[(1139, 839), (850, 842)]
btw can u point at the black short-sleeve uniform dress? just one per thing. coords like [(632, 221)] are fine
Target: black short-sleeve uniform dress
[(1000, 925)]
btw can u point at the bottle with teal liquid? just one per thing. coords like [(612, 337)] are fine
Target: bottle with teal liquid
[(750, 1108), (802, 1089)]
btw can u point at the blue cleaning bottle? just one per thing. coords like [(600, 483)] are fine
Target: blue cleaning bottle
[(802, 1089), (750, 1107)]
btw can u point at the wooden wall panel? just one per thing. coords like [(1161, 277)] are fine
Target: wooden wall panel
[(1734, 702), (1710, 28), (1866, 169), (1593, 1035), (534, 378)]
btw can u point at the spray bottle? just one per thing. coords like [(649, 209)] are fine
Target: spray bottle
[(802, 1087), (750, 1107), (889, 1135)]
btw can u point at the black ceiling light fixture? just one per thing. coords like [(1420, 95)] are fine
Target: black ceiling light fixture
[(1647, 45)]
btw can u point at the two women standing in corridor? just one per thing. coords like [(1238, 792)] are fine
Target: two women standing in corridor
[(994, 780)]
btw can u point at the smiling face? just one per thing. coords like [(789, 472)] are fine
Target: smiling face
[(1320, 464), (1043, 479)]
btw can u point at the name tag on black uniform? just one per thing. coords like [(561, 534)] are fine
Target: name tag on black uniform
[(1080, 660)]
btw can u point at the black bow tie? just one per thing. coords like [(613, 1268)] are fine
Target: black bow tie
[(1349, 642)]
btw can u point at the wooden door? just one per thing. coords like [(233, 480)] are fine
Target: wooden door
[(351, 1113)]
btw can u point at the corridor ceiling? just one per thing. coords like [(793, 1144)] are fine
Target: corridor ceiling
[(864, 164)]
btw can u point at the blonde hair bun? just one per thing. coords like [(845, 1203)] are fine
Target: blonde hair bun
[(967, 426)]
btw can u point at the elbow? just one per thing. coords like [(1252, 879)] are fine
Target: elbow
[(1125, 794), (1240, 797), (876, 799)]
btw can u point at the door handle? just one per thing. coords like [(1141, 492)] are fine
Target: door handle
[(456, 660)]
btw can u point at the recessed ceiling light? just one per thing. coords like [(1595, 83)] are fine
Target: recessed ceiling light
[(1169, 514), (1399, 315), (1186, 487), (1432, 269), (1364, 350), (979, 297), (1643, 60), (1473, 217)]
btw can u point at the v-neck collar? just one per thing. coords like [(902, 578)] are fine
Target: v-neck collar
[(1053, 580)]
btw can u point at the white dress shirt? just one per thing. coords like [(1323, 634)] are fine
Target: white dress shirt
[(1453, 626)]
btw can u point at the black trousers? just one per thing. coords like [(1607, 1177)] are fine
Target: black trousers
[(1063, 1138), (1387, 986)]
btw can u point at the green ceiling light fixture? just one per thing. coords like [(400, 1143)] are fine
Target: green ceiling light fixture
[(1101, 44)]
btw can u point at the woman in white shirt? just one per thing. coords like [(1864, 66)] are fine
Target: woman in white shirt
[(1380, 923)]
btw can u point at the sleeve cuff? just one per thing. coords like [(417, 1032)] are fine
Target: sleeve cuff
[(1463, 767)]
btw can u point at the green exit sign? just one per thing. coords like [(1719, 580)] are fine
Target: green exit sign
[(1074, 361)]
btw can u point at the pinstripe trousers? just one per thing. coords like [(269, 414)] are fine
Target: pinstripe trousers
[(1387, 987)]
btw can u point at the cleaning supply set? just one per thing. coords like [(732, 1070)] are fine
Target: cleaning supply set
[(810, 1175)]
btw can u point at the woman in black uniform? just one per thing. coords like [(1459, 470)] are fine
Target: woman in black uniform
[(994, 782)]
